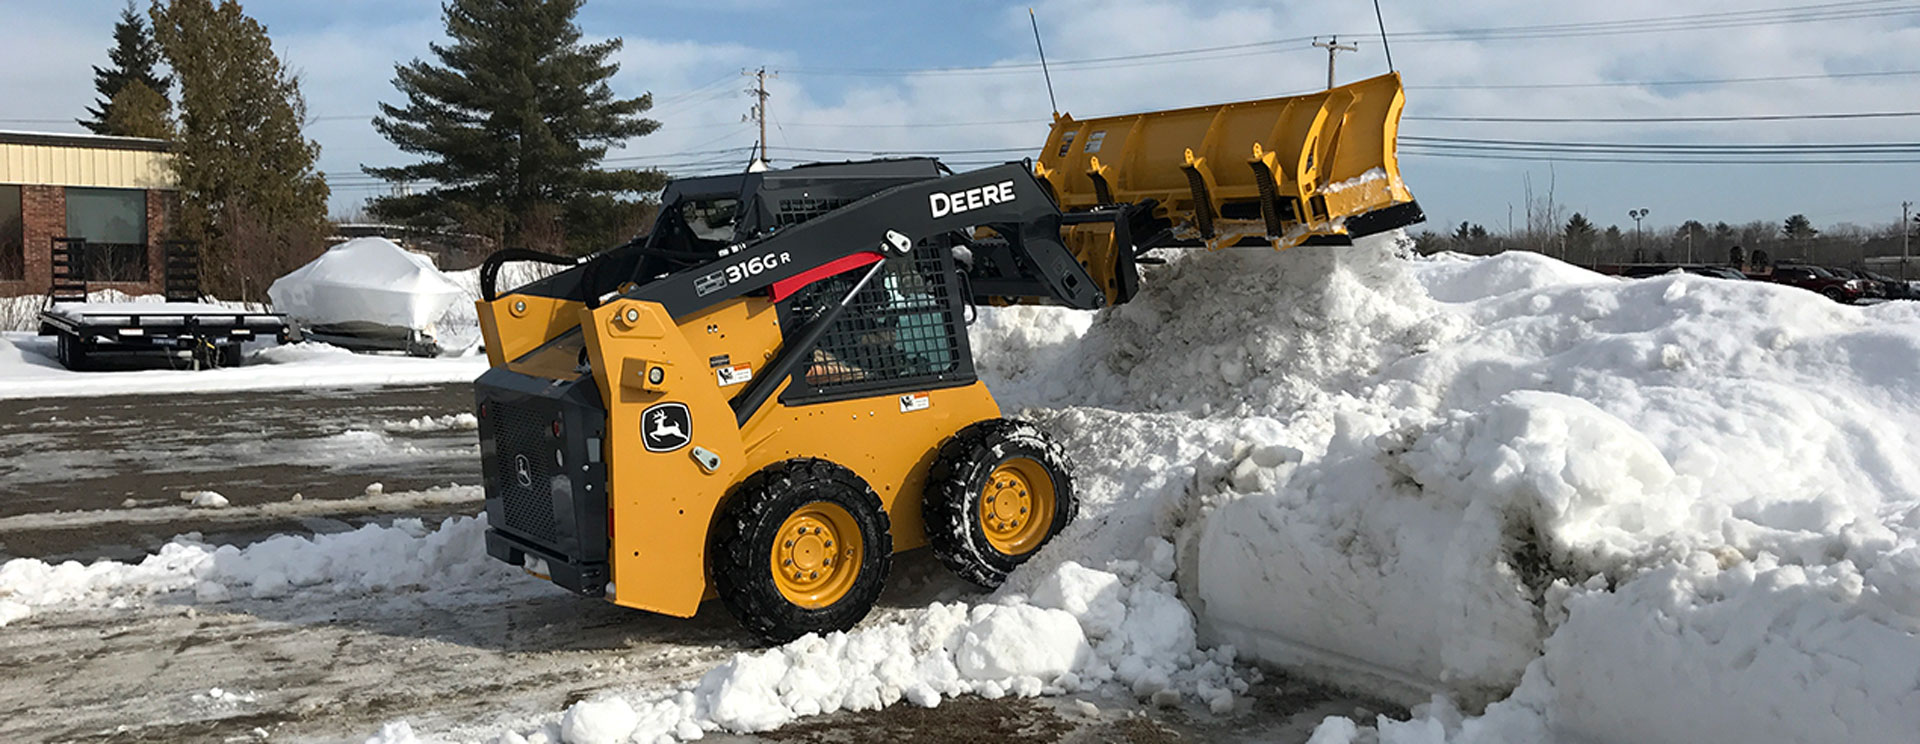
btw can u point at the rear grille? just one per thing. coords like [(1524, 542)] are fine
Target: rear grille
[(522, 435)]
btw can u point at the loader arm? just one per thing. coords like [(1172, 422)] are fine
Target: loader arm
[(1007, 198)]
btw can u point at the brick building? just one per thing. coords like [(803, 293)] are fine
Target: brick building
[(115, 192)]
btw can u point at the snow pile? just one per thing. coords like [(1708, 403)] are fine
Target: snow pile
[(1680, 509), (367, 560), (1083, 628), (450, 422)]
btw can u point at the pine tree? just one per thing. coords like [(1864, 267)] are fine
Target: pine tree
[(135, 58), (249, 194), (1580, 235), (1798, 227), (138, 111), (514, 120)]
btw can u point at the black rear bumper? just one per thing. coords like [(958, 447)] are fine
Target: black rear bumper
[(546, 479)]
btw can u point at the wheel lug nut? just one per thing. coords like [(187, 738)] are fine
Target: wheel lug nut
[(789, 543), (827, 562), (827, 544), (796, 576), (1023, 510), (814, 575), (787, 562)]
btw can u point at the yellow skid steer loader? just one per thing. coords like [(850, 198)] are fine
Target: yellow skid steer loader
[(772, 392)]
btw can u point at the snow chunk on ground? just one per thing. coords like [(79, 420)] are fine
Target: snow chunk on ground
[(205, 499), (1020, 641), (451, 422), (605, 721)]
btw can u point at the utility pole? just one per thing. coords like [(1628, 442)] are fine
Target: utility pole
[(759, 112), (1333, 46), (1906, 237)]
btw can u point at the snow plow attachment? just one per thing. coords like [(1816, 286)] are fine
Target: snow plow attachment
[(1278, 171)]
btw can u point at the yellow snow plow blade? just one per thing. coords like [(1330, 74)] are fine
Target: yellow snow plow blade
[(1279, 171)]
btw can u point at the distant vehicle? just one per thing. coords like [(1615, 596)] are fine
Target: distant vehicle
[(1895, 288), (1816, 279), (1642, 271), (1717, 272), (1872, 288)]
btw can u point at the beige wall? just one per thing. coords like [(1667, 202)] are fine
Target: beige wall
[(52, 165)]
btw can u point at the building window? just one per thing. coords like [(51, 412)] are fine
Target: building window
[(13, 236), (114, 224)]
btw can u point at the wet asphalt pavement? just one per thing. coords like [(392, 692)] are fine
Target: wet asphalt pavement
[(66, 454)]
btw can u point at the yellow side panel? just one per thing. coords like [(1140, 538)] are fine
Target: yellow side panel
[(513, 324), (664, 503), (1332, 154)]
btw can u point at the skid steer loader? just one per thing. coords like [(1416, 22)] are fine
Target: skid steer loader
[(772, 392)]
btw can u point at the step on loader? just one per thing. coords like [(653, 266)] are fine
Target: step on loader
[(772, 392)]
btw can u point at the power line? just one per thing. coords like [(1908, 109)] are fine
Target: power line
[(1783, 147), (1800, 14), (1663, 83), (1663, 119), (1421, 152)]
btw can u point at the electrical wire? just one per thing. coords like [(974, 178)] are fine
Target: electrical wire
[(1663, 119)]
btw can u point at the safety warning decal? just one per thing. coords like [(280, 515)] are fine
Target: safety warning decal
[(914, 402), (733, 374)]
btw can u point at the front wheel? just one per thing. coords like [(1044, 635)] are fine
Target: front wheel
[(998, 491), (801, 548)]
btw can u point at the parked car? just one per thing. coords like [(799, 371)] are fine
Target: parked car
[(1717, 272), (1872, 288), (1642, 271), (1895, 288), (1816, 279)]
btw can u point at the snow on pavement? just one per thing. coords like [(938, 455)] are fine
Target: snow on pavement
[(1549, 504), (374, 558), (28, 370)]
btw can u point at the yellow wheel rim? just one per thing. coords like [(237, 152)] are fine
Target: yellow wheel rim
[(1016, 506), (816, 555)]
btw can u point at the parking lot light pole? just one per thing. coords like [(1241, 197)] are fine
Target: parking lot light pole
[(1639, 239)]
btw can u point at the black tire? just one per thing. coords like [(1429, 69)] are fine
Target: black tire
[(751, 527), (958, 484), (1834, 294), (73, 353)]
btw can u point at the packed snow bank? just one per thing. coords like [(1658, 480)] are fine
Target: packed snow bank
[(1452, 476), (28, 370), (371, 559)]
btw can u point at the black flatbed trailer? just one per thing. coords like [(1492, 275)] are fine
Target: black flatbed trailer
[(201, 334)]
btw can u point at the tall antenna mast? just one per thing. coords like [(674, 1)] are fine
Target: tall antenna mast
[(1043, 62)]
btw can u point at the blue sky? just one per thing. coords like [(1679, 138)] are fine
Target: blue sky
[(689, 54)]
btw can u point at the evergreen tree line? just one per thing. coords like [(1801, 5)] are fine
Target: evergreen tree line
[(511, 123), (1580, 241)]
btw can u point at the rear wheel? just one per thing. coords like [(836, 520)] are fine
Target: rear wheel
[(801, 548), (73, 353), (1833, 294), (999, 490)]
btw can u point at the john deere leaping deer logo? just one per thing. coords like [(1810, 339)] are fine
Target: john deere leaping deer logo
[(666, 427)]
